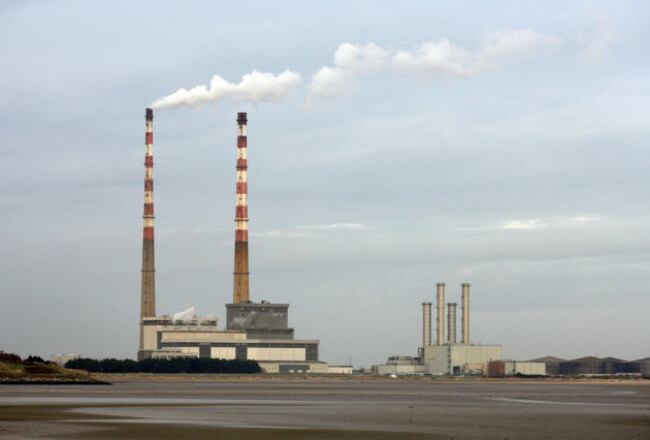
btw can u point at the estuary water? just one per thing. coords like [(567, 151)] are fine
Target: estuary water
[(326, 409)]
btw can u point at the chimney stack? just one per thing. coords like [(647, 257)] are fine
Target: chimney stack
[(465, 323), (451, 322), (241, 291), (426, 324), (148, 297), (441, 313)]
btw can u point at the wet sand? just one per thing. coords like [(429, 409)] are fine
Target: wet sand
[(329, 409)]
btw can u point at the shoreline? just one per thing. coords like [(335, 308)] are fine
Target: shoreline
[(370, 378)]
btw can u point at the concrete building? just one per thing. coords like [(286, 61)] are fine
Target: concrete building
[(455, 359), (254, 331), (401, 366), (340, 369)]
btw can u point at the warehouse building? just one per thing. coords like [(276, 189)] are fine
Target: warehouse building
[(514, 368)]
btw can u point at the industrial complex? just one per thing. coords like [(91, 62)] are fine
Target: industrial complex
[(256, 331), (260, 331), (450, 357)]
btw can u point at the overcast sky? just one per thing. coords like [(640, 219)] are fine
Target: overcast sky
[(392, 145)]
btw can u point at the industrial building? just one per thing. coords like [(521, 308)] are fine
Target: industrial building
[(254, 331), (445, 357), (452, 357), (594, 366), (401, 366), (514, 368)]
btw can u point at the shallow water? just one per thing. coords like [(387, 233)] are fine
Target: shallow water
[(327, 409)]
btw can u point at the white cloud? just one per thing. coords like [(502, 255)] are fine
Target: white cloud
[(361, 59), (551, 222), (336, 226), (439, 58), (597, 48), (276, 233), (254, 87), (586, 219), (523, 224), (310, 230), (330, 82)]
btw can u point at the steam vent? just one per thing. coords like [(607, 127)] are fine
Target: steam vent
[(256, 331)]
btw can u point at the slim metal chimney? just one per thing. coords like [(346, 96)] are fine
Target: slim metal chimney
[(451, 323), (241, 291), (148, 297), (441, 313), (465, 323), (426, 324)]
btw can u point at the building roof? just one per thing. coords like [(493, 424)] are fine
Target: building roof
[(586, 359), (548, 359), (613, 359)]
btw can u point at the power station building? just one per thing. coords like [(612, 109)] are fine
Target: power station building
[(254, 331), (445, 357)]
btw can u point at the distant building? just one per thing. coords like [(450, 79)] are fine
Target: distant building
[(438, 357), (454, 359), (272, 344), (592, 365), (61, 359), (401, 366), (340, 369), (513, 368), (639, 366), (552, 364)]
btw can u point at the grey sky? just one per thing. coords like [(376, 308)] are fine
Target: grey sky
[(508, 149)]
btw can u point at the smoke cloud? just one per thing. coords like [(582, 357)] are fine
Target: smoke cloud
[(440, 58), (254, 87), (185, 315)]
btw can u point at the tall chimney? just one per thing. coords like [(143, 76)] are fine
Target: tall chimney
[(240, 291), (441, 313), (451, 323), (426, 324), (148, 297), (465, 299)]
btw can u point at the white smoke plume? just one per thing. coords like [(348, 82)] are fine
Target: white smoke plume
[(254, 87), (439, 58), (185, 315)]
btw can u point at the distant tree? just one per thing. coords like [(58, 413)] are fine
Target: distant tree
[(88, 364), (10, 358), (175, 365), (32, 359)]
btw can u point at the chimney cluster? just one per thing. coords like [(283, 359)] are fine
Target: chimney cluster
[(240, 291), (451, 318)]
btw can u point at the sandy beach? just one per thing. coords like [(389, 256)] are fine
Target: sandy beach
[(326, 409)]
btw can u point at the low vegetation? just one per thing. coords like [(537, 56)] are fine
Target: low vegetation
[(34, 369)]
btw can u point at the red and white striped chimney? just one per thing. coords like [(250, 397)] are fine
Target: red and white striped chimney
[(240, 291), (148, 298)]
